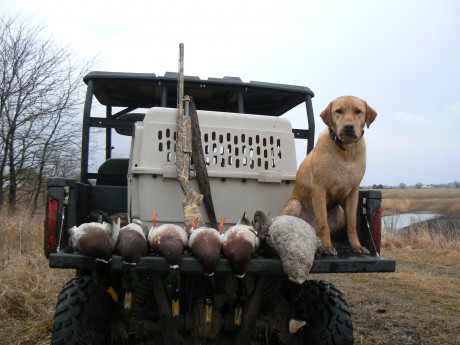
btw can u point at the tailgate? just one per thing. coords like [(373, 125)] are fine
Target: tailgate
[(260, 265)]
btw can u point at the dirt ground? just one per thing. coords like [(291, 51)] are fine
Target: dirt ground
[(417, 304)]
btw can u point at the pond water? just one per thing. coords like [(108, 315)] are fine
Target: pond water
[(399, 221)]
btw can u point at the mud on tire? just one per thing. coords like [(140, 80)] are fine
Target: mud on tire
[(329, 320), (82, 314)]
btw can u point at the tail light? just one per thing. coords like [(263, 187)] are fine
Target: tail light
[(51, 224)]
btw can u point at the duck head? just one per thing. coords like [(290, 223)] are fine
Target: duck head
[(261, 223)]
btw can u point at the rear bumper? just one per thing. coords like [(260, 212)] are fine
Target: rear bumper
[(259, 265)]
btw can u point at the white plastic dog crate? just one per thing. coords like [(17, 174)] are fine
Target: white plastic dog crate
[(250, 160)]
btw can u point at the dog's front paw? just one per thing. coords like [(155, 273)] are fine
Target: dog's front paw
[(327, 250), (361, 249)]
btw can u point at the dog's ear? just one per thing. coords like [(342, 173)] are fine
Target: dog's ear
[(370, 115), (326, 115)]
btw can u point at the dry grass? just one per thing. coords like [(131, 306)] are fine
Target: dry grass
[(28, 288), (422, 193), (441, 201), (418, 304)]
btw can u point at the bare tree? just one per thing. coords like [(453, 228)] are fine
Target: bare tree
[(402, 185), (419, 185), (40, 98)]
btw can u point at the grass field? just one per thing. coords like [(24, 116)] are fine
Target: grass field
[(429, 200), (28, 288), (418, 304)]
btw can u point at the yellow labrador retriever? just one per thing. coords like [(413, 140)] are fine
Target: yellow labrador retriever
[(326, 188)]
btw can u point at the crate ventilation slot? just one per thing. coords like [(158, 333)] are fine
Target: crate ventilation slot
[(222, 150)]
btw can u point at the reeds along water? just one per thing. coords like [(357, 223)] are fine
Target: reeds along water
[(441, 232), (399, 221)]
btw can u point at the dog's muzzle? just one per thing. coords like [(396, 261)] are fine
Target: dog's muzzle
[(344, 138), (348, 132)]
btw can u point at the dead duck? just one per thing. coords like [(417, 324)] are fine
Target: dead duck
[(131, 245), (97, 241), (206, 244), (170, 240), (294, 241), (239, 243)]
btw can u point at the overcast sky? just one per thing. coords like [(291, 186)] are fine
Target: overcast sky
[(402, 57)]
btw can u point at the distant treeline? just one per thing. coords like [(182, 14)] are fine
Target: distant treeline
[(418, 185)]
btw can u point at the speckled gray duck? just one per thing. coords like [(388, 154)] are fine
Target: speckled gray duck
[(293, 239)]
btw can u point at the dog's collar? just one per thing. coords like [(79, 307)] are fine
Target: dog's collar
[(339, 142), (336, 139)]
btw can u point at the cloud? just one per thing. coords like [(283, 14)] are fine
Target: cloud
[(411, 118), (455, 108)]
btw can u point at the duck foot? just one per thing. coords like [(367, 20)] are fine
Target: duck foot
[(238, 316), (296, 325), (208, 311), (175, 307), (128, 300), (111, 291)]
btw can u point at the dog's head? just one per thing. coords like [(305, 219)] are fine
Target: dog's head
[(346, 116)]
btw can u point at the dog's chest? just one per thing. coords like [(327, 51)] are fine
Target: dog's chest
[(345, 170), (337, 194), (343, 179)]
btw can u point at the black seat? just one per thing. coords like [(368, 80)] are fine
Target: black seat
[(113, 172), (133, 118)]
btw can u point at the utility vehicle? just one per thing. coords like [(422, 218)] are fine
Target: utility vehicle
[(250, 155)]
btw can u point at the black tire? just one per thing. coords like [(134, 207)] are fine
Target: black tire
[(329, 320), (82, 314)]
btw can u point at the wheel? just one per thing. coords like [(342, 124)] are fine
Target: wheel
[(82, 314), (328, 318)]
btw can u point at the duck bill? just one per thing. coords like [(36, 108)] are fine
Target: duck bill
[(238, 316), (208, 312), (111, 291), (175, 307), (128, 301)]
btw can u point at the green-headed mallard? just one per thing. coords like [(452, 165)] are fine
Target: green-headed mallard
[(131, 245), (206, 244), (239, 243), (97, 240), (170, 240)]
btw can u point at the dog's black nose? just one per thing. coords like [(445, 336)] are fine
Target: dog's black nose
[(349, 130)]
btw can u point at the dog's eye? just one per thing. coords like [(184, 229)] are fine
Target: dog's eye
[(358, 111), (339, 111)]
